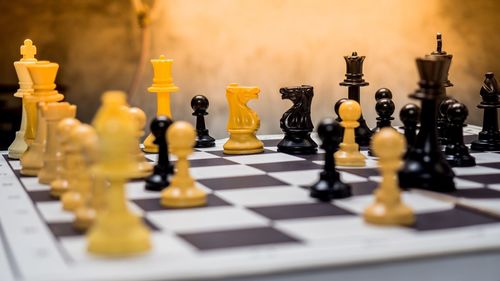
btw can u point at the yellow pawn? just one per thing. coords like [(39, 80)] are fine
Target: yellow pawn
[(348, 153), (144, 168), (60, 184), (243, 122), (52, 155), (182, 191), (116, 231), (163, 85), (388, 209)]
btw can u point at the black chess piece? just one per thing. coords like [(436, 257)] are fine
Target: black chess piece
[(329, 186), (200, 104), (163, 169), (296, 122), (489, 137), (384, 108), (457, 154), (383, 93), (409, 115), (354, 80), (425, 166), (442, 120)]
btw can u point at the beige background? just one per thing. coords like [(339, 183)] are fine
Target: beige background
[(268, 43)]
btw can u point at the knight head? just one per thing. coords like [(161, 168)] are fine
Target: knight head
[(243, 94)]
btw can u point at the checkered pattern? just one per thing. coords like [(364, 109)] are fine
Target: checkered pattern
[(258, 202)]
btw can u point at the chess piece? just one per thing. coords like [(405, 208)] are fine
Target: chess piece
[(163, 169), (28, 51), (163, 85), (243, 122), (348, 154), (329, 186), (388, 209), (296, 122), (116, 231), (85, 139), (182, 192), (489, 137), (384, 108), (43, 75), (53, 113), (383, 93), (409, 115), (425, 166), (442, 120), (144, 168), (457, 154), (200, 104), (354, 80), (60, 184)]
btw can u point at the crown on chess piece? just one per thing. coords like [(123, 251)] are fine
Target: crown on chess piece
[(447, 57), (354, 71), (162, 79), (432, 72)]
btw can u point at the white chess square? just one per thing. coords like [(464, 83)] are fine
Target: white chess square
[(486, 157), (194, 156), (32, 184), (309, 177), (476, 170), (224, 171), (206, 219), (53, 212), (466, 184), (15, 164), (136, 190), (263, 158), (264, 196)]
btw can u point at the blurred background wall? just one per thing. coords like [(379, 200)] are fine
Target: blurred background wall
[(267, 43)]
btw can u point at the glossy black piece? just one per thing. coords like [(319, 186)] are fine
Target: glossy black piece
[(441, 54), (163, 169), (200, 104), (354, 80), (409, 115), (329, 186), (457, 154), (425, 166), (442, 120), (383, 93), (384, 108), (489, 137), (296, 122)]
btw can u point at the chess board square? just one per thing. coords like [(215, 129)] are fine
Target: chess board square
[(263, 158), (468, 139), (299, 211), (224, 171), (453, 218), (363, 188), (271, 142), (484, 179), (237, 238), (287, 166), (136, 190), (196, 155), (41, 196), (477, 193), (15, 164), (52, 211), (262, 196), (363, 172), (309, 177), (492, 165), (31, 184), (241, 182), (476, 170), (313, 157), (220, 153), (210, 162), (486, 157), (153, 204), (466, 184), (206, 219)]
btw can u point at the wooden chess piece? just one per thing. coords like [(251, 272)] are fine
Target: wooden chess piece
[(144, 168), (163, 85), (243, 122), (52, 155), (182, 191), (409, 115), (116, 231), (336, 108), (442, 120), (60, 184), (348, 153), (31, 160), (199, 104), (457, 154), (28, 51), (388, 145), (384, 108), (296, 122), (163, 169)]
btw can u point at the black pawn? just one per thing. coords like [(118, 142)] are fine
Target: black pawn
[(409, 115), (384, 108), (457, 154), (329, 185), (489, 137), (442, 120), (200, 104), (163, 169), (383, 93)]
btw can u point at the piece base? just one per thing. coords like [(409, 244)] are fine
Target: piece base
[(293, 143), (379, 214), (71, 200), (58, 188), (461, 160), (325, 191), (480, 145), (176, 197)]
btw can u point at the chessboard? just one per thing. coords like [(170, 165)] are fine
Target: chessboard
[(259, 220)]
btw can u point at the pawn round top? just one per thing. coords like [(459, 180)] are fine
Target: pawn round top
[(139, 116), (65, 126), (181, 136), (383, 93), (443, 106), (350, 110), (457, 113), (199, 103), (84, 136), (388, 144), (159, 126), (330, 132), (409, 114), (384, 107), (338, 104)]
